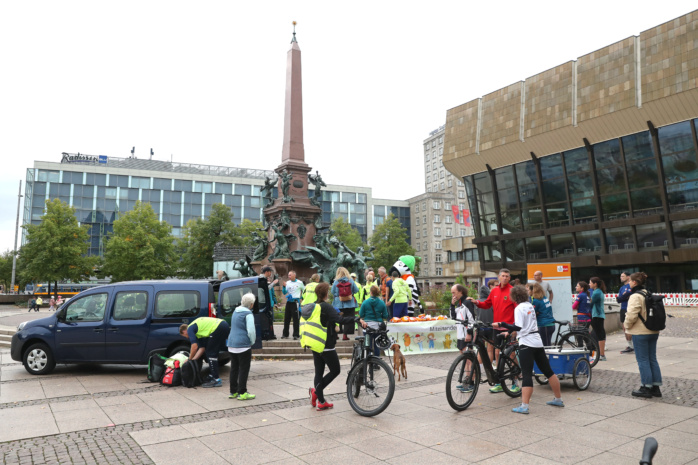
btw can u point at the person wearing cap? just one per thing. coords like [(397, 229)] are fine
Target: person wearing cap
[(268, 273)]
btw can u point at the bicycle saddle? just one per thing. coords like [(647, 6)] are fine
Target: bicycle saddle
[(562, 323)]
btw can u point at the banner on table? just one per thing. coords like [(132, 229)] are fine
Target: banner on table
[(422, 337)]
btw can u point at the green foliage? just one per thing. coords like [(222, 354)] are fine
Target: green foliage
[(345, 233), (246, 231), (390, 242), (472, 289), (141, 247), (440, 295), (6, 269), (56, 249)]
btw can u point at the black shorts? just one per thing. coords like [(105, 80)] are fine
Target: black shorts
[(623, 311)]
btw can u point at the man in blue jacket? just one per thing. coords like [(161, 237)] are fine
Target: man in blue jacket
[(622, 299)]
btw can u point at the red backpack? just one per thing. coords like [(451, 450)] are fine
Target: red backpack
[(173, 376), (344, 288)]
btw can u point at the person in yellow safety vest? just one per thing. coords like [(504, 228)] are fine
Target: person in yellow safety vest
[(309, 293), (324, 318), (207, 335), (360, 294)]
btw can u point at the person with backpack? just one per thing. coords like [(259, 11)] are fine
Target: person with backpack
[(343, 290), (637, 320), (309, 295), (373, 311), (598, 315), (324, 352), (240, 341), (361, 295), (32, 304)]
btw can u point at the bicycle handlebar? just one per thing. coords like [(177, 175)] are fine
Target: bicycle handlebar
[(474, 322), (648, 451)]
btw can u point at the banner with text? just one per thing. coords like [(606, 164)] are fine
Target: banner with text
[(424, 336)]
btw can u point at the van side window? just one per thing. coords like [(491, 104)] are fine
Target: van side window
[(232, 297), (88, 308), (131, 306), (177, 304)]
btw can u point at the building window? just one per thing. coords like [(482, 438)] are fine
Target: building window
[(418, 248), (441, 140), (417, 221), (427, 155), (450, 183), (442, 185), (461, 206), (416, 208), (424, 219), (447, 205), (424, 246), (449, 232), (417, 234), (448, 219), (437, 205), (437, 258), (460, 183), (424, 206), (428, 189), (428, 168), (433, 143), (441, 174), (461, 194), (424, 232), (441, 151), (462, 232), (439, 271), (433, 165), (428, 178), (437, 218), (437, 232)]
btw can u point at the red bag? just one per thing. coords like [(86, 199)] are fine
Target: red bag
[(344, 288), (172, 376)]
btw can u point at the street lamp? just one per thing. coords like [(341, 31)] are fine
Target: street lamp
[(14, 255)]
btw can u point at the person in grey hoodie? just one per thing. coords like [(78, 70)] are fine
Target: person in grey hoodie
[(373, 311), (240, 342)]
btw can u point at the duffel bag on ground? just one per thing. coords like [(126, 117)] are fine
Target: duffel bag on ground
[(191, 373), (156, 368), (172, 376)]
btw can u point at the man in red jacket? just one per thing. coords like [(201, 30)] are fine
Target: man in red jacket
[(502, 307)]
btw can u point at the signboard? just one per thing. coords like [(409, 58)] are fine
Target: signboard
[(559, 276), (79, 158), (422, 337)]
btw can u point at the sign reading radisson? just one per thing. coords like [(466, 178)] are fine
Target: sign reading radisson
[(79, 158)]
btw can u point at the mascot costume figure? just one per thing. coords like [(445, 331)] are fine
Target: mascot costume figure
[(405, 266)]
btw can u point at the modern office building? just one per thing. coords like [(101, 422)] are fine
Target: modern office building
[(100, 187), (438, 216), (592, 162)]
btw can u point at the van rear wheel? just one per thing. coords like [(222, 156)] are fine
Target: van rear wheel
[(184, 349), (38, 359)]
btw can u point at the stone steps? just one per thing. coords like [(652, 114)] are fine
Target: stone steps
[(288, 349)]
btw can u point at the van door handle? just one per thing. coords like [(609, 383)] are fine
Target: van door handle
[(113, 329), (98, 330)]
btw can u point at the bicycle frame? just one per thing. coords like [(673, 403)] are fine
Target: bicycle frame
[(479, 341)]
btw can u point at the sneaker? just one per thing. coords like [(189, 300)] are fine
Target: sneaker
[(284, 337), (515, 389), (466, 389), (295, 338), (556, 403), (602, 358), (644, 391), (520, 409), (213, 383), (325, 406), (654, 390), (497, 388), (246, 396), (345, 338), (233, 396), (627, 350), (313, 397)]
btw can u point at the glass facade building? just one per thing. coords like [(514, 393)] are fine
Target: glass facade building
[(619, 203), (178, 192)]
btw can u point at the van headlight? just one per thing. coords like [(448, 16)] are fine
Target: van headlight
[(21, 326)]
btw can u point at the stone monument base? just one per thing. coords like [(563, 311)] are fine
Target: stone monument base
[(283, 266)]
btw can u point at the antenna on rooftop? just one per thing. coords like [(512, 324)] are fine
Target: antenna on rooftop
[(133, 152), (151, 153)]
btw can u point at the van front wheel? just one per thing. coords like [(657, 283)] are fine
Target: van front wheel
[(38, 359)]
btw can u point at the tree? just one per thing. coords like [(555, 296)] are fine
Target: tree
[(200, 236), (247, 230), (345, 233), (141, 247), (390, 241), (6, 270), (56, 249)]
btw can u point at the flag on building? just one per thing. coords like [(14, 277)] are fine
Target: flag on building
[(456, 216), (466, 218)]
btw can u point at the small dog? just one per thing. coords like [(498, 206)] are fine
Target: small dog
[(398, 362)]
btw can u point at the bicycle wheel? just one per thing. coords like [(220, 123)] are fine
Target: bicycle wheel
[(581, 374), (463, 381), (540, 379), (582, 341), (509, 374), (371, 396)]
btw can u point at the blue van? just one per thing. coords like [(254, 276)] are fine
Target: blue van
[(127, 322)]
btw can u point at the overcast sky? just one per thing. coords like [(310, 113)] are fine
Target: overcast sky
[(203, 82)]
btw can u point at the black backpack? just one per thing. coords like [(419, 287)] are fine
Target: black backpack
[(656, 315), (191, 373), (156, 368)]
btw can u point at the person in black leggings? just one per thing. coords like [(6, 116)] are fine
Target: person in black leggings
[(329, 318), (530, 349)]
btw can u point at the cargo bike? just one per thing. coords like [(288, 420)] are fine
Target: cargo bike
[(567, 363)]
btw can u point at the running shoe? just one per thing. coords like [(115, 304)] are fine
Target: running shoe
[(313, 397), (602, 358), (515, 389), (213, 383), (233, 396), (497, 388), (556, 403), (466, 389), (520, 409), (628, 350), (325, 406), (246, 396)]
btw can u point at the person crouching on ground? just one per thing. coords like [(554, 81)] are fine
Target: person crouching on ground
[(329, 318), (240, 342), (207, 336), (530, 349), (373, 311), (644, 340)]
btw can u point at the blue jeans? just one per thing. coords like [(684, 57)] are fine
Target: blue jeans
[(646, 356)]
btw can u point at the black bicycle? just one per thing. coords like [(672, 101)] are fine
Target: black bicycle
[(577, 337), (463, 378), (370, 382)]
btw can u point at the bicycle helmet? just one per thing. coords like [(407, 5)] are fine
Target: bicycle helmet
[(383, 342)]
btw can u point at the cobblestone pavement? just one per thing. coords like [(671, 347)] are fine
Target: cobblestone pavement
[(106, 415)]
